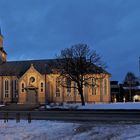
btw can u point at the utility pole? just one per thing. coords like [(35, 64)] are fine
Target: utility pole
[(139, 69)]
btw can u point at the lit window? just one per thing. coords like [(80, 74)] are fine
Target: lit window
[(68, 87), (101, 87), (93, 86), (57, 87), (6, 88), (105, 86), (75, 88)]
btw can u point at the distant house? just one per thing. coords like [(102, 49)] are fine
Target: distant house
[(33, 81), (131, 92), (123, 92), (115, 91)]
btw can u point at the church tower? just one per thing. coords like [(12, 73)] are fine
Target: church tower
[(3, 54)]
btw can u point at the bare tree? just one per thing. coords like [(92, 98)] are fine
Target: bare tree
[(79, 65)]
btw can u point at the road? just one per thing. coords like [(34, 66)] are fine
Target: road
[(79, 115)]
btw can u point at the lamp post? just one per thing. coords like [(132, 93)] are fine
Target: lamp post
[(124, 99)]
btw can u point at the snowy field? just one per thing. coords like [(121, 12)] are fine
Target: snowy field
[(51, 130), (128, 105)]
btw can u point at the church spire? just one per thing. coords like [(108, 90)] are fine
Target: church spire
[(1, 39), (3, 54)]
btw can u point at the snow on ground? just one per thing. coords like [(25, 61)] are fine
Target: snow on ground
[(132, 105), (54, 130), (36, 130), (128, 105)]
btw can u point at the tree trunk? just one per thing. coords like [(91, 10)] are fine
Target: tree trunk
[(82, 96)]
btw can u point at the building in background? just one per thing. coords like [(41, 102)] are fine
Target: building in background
[(115, 91), (124, 92)]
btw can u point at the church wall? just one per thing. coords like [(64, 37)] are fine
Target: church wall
[(94, 98), (51, 90), (76, 97), (22, 98)]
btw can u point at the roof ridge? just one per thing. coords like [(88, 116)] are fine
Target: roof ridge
[(30, 60)]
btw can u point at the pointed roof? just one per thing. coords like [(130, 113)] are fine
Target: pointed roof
[(18, 68), (1, 47)]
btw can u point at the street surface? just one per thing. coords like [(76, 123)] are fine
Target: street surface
[(78, 115)]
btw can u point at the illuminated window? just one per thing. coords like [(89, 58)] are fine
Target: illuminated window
[(93, 86), (57, 87), (75, 89), (3, 55), (105, 86), (6, 88), (101, 87), (68, 87)]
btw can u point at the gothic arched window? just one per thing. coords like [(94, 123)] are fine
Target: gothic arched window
[(6, 88), (57, 87), (22, 87), (93, 86), (41, 87), (68, 87), (105, 86)]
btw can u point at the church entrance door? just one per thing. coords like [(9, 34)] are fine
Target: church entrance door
[(32, 96)]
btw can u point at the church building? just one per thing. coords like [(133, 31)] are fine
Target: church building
[(33, 82)]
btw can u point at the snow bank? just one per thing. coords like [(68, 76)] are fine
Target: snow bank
[(1, 105), (130, 105), (112, 106)]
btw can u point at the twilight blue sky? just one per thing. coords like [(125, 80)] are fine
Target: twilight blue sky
[(38, 29)]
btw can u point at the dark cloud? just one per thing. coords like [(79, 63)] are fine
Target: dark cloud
[(35, 29)]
